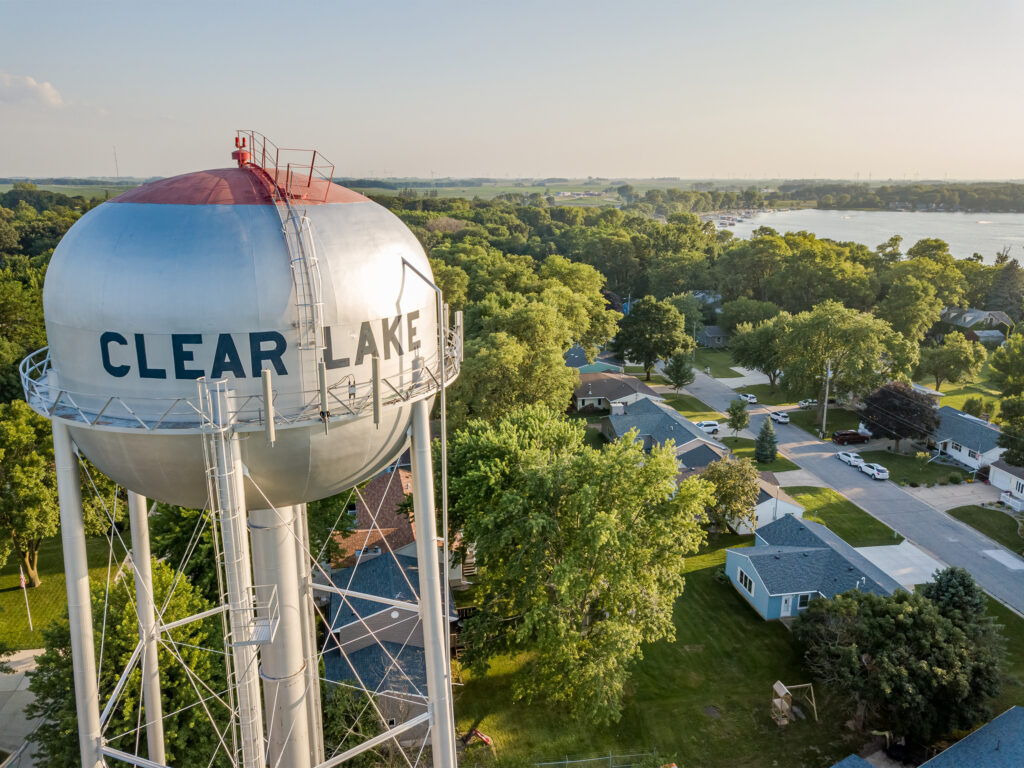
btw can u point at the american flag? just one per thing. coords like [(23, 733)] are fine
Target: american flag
[(21, 577)]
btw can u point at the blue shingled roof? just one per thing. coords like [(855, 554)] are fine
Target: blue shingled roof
[(795, 555), (658, 424), (853, 762), (699, 456), (998, 744), (967, 430), (408, 673), (380, 576)]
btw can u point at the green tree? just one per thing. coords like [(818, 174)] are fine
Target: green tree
[(980, 407), (21, 329), (579, 553), (759, 348), (653, 330), (1006, 366), (737, 416), (905, 664), (863, 353), (188, 734), (736, 489), (896, 411), (956, 360), (1011, 429), (911, 307), (453, 282), (744, 310), (679, 371), (766, 447), (692, 310)]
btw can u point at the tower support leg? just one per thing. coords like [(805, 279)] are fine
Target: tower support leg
[(307, 614), (435, 624), (76, 572), (226, 468), (283, 666), (148, 634)]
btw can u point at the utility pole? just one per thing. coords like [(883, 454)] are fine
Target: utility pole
[(824, 415)]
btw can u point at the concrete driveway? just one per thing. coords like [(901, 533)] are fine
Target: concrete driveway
[(904, 562), (946, 539), (944, 497)]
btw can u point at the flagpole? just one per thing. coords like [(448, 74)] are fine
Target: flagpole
[(24, 589)]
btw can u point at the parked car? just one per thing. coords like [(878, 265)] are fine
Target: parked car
[(748, 397), (876, 471), (811, 403), (851, 458), (848, 437), (780, 416), (711, 427)]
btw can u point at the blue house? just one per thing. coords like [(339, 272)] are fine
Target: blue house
[(794, 561)]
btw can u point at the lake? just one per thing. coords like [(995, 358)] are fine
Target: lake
[(966, 233)]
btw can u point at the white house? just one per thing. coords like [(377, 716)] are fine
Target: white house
[(966, 438), (1010, 480), (772, 504)]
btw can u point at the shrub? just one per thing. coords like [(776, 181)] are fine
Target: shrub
[(943, 482), (955, 478), (914, 484)]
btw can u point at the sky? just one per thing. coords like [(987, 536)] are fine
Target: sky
[(575, 88)]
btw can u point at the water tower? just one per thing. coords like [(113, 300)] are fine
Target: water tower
[(245, 340)]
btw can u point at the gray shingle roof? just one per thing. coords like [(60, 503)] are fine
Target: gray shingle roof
[(612, 386), (575, 357), (998, 744), (968, 431), (655, 424), (796, 555), (408, 673), (380, 576), (1009, 468)]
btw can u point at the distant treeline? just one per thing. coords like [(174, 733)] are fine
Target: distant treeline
[(412, 183), (41, 200), (67, 181), (981, 196)]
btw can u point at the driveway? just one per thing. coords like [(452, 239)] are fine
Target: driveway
[(945, 497), (14, 696), (948, 540)]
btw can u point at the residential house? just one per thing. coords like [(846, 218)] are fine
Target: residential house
[(695, 456), (1010, 480), (987, 338), (713, 336), (793, 561), (380, 645), (656, 424), (772, 503), (971, 318), (577, 358), (965, 438), (934, 394), (598, 391)]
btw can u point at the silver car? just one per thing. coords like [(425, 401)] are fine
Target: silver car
[(876, 471), (851, 458)]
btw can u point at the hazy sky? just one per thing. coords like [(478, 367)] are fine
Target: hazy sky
[(555, 88)]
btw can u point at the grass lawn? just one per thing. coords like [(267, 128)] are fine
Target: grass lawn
[(765, 396), (838, 418), (702, 700), (910, 469), (744, 448), (638, 371), (994, 523), (718, 360), (49, 599), (841, 516), (956, 394), (693, 409)]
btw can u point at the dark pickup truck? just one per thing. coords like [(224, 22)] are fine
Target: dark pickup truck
[(848, 437)]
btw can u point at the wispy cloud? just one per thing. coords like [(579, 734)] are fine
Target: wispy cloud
[(18, 89)]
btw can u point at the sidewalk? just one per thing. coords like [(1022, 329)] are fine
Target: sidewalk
[(14, 696)]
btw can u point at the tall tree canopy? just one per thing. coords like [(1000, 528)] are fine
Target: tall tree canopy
[(652, 331), (896, 411), (1006, 366), (760, 347), (956, 360), (579, 552), (862, 351)]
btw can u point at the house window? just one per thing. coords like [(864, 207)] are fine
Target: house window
[(972, 454), (803, 601), (746, 582), (956, 446), (1019, 488)]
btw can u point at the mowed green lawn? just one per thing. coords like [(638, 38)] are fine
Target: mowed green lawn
[(701, 701), (842, 516), (994, 523), (744, 448), (956, 394), (909, 469), (49, 600), (838, 418), (694, 409), (718, 360), (1013, 630), (638, 371)]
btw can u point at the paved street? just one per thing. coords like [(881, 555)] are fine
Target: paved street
[(1000, 572)]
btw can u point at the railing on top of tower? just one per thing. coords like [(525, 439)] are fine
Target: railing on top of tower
[(290, 173)]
